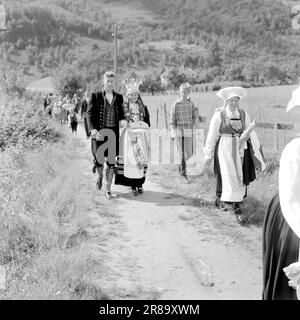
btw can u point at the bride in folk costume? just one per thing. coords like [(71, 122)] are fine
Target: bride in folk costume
[(134, 140), (235, 148)]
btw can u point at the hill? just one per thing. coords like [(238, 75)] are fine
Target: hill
[(249, 41)]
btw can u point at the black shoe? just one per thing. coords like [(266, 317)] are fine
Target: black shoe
[(134, 191), (240, 219), (220, 205), (99, 184), (140, 190)]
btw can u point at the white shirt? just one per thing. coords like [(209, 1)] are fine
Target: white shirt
[(214, 130), (109, 97)]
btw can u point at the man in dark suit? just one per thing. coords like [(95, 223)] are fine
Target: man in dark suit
[(104, 116)]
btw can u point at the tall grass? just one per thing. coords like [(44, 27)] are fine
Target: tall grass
[(43, 225)]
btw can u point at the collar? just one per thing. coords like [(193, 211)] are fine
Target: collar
[(187, 100), (104, 93)]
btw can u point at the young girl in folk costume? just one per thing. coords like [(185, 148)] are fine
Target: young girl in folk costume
[(134, 140), (235, 148)]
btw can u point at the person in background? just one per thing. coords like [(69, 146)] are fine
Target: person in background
[(76, 102), (46, 102), (184, 118), (84, 106), (73, 121), (105, 115)]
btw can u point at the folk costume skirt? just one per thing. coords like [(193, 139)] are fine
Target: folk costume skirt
[(130, 168), (229, 170)]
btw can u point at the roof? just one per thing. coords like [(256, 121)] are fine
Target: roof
[(43, 85)]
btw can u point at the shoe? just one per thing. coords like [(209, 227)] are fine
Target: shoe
[(240, 219), (140, 190), (99, 184), (220, 205), (108, 195), (134, 191), (238, 214)]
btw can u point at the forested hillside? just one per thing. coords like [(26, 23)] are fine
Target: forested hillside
[(249, 41)]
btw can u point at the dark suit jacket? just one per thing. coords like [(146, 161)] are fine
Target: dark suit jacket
[(95, 112)]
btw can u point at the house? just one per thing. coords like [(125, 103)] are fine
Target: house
[(45, 85)]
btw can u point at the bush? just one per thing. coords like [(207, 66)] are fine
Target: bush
[(11, 83), (23, 122)]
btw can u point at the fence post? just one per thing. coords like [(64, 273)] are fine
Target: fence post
[(275, 134), (157, 118), (166, 117)]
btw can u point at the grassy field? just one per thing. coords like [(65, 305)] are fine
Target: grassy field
[(262, 104)]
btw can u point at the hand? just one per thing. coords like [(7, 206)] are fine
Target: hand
[(207, 162), (173, 134), (123, 123), (94, 133)]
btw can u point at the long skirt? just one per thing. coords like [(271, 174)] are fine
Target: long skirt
[(280, 249), (129, 170), (229, 170)]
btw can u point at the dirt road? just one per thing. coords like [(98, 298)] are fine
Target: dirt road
[(160, 245)]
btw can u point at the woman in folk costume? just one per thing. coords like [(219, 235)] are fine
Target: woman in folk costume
[(235, 148), (134, 140), (281, 229)]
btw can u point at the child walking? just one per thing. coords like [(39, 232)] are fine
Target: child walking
[(73, 122)]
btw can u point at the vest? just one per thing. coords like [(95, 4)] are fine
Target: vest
[(232, 126)]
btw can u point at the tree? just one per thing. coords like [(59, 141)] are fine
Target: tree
[(213, 58), (68, 79)]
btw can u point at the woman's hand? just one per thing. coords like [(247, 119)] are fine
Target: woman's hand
[(173, 134), (207, 162), (94, 133), (123, 124)]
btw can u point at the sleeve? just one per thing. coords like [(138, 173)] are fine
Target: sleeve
[(196, 116), (147, 116), (289, 185), (212, 136), (120, 109), (90, 113), (247, 120), (173, 121), (83, 108)]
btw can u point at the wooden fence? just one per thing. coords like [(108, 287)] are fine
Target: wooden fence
[(268, 132)]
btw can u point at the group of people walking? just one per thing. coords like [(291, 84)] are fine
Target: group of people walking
[(119, 130), (65, 110), (231, 141), (120, 135)]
